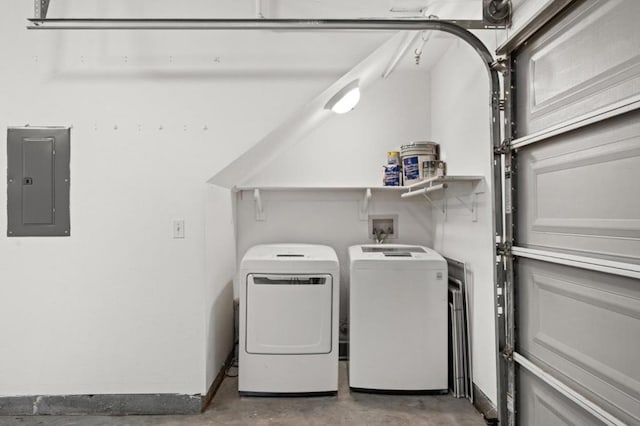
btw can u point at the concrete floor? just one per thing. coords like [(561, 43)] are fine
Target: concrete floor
[(348, 408)]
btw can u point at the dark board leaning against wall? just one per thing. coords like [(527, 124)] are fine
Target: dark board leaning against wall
[(38, 179)]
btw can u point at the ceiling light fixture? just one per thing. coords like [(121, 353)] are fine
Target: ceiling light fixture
[(345, 99)]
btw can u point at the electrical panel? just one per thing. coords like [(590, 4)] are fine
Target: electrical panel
[(38, 179)]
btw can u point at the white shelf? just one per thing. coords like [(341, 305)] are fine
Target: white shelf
[(409, 188), (320, 188), (364, 205), (419, 188)]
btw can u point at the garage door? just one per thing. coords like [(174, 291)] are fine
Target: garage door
[(575, 208)]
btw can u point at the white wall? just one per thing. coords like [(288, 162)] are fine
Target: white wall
[(306, 119), (350, 149), (121, 306), (461, 124), (220, 261), (328, 217)]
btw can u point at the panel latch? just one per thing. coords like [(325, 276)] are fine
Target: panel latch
[(507, 353), (504, 148), (503, 249)]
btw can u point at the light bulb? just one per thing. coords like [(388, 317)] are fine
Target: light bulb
[(348, 101), (345, 99)]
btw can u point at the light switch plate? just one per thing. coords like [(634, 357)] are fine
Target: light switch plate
[(178, 228)]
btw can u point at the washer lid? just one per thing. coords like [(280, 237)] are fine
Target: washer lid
[(393, 252)]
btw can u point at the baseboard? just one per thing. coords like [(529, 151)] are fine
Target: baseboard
[(484, 405), (215, 385), (100, 405), (111, 405)]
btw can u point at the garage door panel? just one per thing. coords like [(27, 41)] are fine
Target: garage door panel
[(586, 325), (577, 171), (577, 192), (559, 79), (543, 406)]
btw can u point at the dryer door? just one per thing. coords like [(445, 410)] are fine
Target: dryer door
[(289, 314)]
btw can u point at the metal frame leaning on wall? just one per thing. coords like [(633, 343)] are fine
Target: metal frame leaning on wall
[(496, 14)]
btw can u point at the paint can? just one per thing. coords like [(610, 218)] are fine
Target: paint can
[(413, 156), (392, 175), (393, 157)]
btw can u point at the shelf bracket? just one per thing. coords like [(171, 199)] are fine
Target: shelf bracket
[(472, 205), (257, 198), (444, 204), (429, 200), (364, 208), (40, 8)]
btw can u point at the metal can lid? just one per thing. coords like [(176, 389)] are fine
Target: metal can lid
[(419, 144)]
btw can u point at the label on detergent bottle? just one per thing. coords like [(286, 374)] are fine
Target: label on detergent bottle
[(411, 168), (392, 175)]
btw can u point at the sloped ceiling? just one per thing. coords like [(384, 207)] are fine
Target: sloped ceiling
[(306, 118)]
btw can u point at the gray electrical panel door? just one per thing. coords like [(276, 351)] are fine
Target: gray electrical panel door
[(38, 181), (577, 218)]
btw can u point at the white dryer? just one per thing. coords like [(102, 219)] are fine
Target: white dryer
[(397, 319), (289, 295)]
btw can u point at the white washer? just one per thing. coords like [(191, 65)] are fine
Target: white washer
[(397, 319), (289, 297)]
